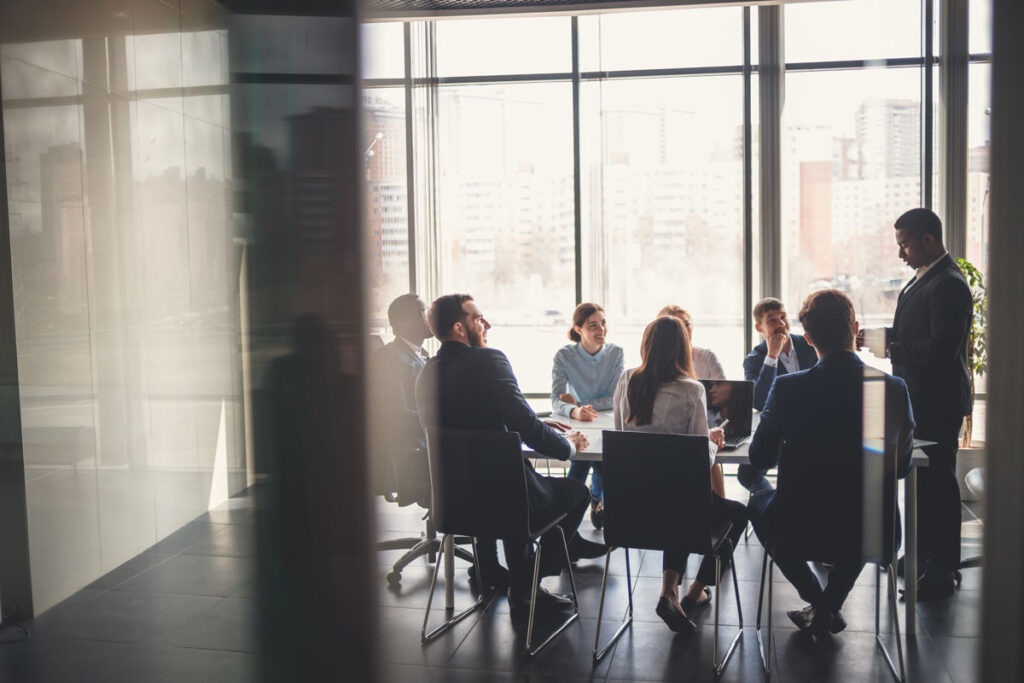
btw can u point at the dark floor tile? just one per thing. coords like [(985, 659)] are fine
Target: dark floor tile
[(225, 540), (183, 538), (125, 617), (229, 625), (407, 673), (958, 615), (400, 636), (960, 656), (496, 644), (477, 676), (194, 575), (853, 656), (130, 569), (651, 652)]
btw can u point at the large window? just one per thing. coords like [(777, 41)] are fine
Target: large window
[(620, 174)]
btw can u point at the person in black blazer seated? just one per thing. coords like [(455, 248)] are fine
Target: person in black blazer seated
[(824, 403), (469, 386), (928, 347), (398, 365), (779, 353)]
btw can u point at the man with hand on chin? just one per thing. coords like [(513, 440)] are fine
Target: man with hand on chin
[(778, 354), (469, 386)]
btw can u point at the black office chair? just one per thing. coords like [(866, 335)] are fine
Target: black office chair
[(811, 492), (403, 477), (479, 489), (657, 493)]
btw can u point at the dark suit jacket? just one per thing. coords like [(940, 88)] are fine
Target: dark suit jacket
[(928, 346), (398, 367), (474, 388), (754, 369), (825, 405)]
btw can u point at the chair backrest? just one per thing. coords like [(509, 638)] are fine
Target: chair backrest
[(657, 491), (820, 501), (477, 482)]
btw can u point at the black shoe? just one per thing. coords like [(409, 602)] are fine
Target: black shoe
[(690, 605), (673, 618), (597, 513), (811, 621), (495, 580), (582, 549), (838, 623)]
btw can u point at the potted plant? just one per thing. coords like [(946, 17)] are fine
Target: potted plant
[(972, 453)]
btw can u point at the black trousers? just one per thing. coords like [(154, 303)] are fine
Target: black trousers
[(938, 496), (840, 580), (570, 497), (723, 510)]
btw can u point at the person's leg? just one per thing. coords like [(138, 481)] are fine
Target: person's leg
[(520, 567), (578, 470), (597, 483), (573, 498), (938, 509), (723, 510), (797, 572), (752, 478), (840, 581)]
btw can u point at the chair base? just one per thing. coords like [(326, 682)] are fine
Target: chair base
[(765, 644), (418, 547), (533, 597), (452, 620)]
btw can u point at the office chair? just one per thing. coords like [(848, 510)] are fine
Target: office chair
[(818, 517), (479, 489), (404, 479), (658, 495)]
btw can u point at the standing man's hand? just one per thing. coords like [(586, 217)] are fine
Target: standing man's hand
[(776, 343)]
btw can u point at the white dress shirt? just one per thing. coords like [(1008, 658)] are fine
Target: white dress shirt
[(706, 365), (680, 407)]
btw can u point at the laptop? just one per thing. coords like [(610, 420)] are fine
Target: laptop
[(733, 401)]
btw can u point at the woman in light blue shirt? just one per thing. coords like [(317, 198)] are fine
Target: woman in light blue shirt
[(583, 380)]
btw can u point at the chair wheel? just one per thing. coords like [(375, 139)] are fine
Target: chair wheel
[(393, 578)]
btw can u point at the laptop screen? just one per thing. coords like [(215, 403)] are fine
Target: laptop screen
[(733, 401)]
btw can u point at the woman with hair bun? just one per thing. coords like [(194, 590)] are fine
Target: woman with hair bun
[(583, 379)]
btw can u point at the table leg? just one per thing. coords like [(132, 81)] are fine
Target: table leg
[(910, 577), (449, 572)]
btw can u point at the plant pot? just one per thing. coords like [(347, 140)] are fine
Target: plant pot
[(966, 460)]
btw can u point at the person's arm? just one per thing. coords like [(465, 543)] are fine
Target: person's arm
[(698, 423), (559, 384), (606, 400), (761, 374), (950, 309), (764, 448), (518, 416), (618, 419)]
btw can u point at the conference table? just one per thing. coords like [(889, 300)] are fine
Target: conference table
[(739, 456)]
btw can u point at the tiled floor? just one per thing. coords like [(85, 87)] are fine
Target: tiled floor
[(185, 610)]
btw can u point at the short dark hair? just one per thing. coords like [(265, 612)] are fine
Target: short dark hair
[(919, 222), (828, 318), (769, 303), (401, 307), (445, 312)]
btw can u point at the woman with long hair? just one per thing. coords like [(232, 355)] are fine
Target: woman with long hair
[(583, 378), (662, 396)]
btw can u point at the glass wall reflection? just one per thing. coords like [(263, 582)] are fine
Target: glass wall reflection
[(126, 280)]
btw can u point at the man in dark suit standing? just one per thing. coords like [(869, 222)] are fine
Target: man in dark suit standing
[(469, 386), (399, 364), (928, 347), (824, 404), (780, 353)]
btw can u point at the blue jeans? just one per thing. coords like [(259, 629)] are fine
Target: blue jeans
[(578, 471)]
